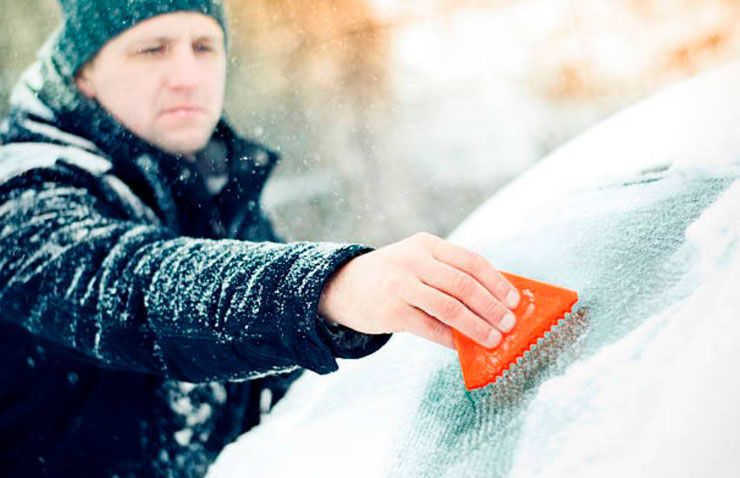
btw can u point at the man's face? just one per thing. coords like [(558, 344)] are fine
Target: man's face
[(163, 79)]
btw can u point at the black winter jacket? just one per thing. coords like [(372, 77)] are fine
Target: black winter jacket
[(142, 312)]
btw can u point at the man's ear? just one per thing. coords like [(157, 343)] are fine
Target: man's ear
[(83, 82)]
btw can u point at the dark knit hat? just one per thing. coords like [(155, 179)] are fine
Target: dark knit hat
[(89, 24)]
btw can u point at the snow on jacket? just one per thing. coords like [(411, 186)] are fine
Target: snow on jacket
[(145, 301)]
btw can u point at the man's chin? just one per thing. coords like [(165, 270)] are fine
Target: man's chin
[(185, 144)]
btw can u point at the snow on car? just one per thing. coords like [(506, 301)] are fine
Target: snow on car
[(640, 215)]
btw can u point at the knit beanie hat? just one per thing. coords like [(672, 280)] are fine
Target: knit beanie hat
[(89, 24)]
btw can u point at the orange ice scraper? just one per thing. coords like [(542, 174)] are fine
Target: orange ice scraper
[(541, 307)]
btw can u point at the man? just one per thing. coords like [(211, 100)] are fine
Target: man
[(146, 305)]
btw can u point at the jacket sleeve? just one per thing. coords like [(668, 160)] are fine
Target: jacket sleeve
[(131, 295)]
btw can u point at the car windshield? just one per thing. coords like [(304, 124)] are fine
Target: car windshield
[(633, 384)]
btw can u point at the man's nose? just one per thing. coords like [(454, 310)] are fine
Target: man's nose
[(184, 69)]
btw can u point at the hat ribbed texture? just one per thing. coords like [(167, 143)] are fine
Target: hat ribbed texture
[(89, 24)]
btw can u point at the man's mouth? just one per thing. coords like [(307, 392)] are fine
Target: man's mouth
[(183, 110)]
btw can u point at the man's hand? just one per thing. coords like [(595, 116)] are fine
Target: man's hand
[(423, 285)]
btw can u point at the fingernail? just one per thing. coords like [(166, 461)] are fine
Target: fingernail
[(494, 338), (507, 323), (512, 299)]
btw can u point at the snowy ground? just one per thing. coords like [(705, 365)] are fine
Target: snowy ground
[(641, 215)]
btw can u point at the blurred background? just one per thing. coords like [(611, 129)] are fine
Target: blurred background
[(399, 116)]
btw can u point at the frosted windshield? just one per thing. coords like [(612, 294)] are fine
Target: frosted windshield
[(642, 217)]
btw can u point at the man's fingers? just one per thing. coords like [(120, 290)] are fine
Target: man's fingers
[(427, 327), (469, 291), (454, 313), (479, 268)]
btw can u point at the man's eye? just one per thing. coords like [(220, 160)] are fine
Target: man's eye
[(203, 48), (152, 51)]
